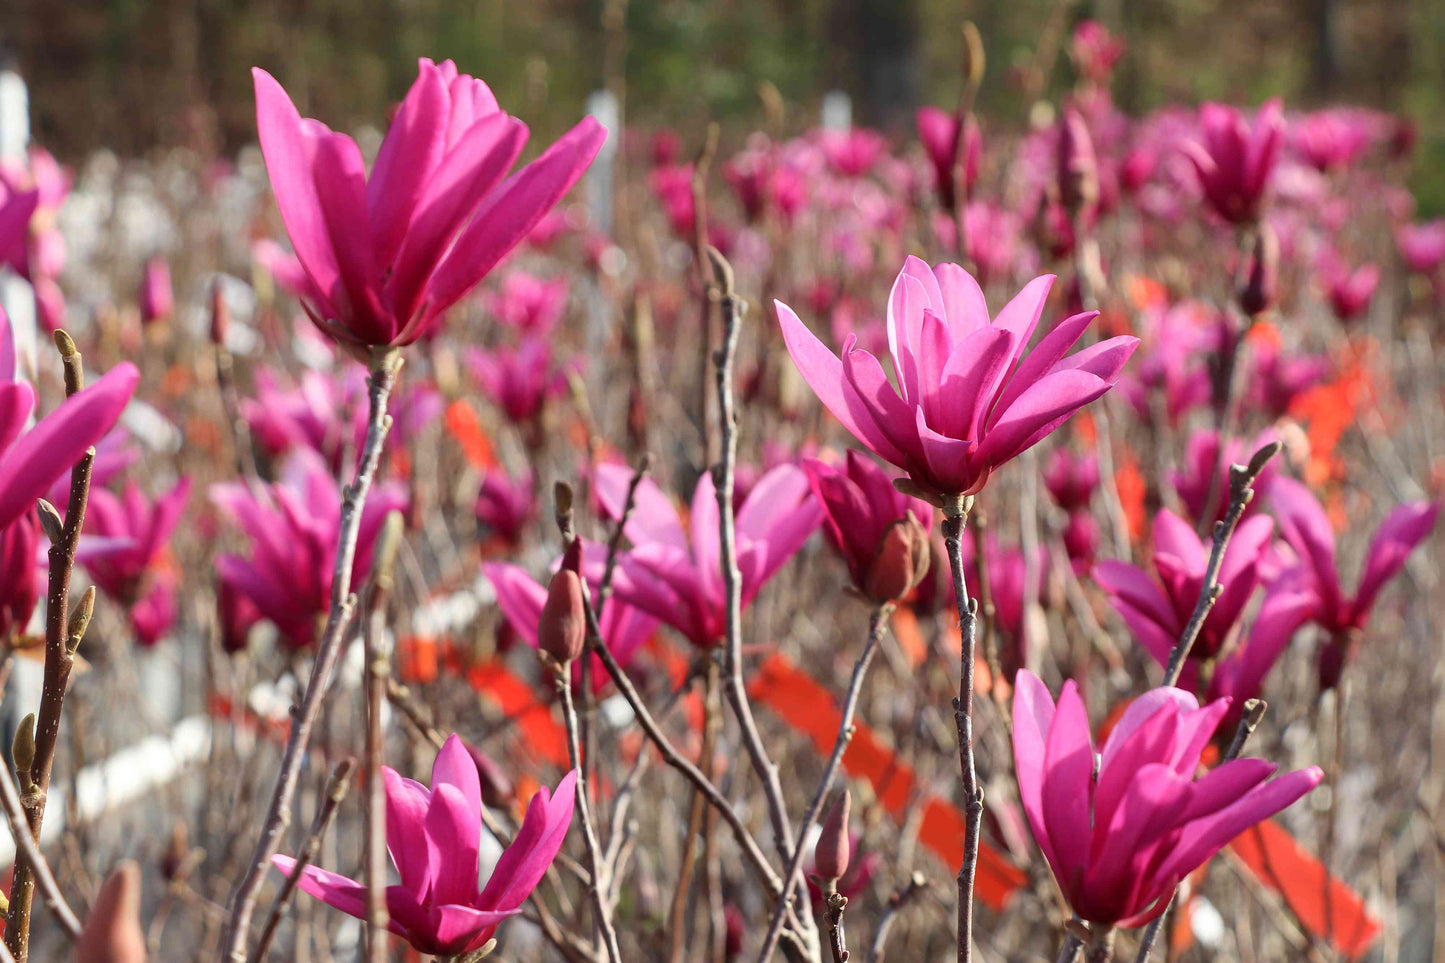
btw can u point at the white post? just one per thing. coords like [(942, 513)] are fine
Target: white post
[(837, 111)]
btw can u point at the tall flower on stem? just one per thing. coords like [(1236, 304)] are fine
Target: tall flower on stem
[(1234, 159), (387, 254), (434, 836), (1120, 829)]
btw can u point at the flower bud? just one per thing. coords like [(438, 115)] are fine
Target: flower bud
[(563, 626), (900, 562), (830, 858), (22, 749), (220, 315), (1261, 286), (1078, 170), (497, 789), (156, 298)]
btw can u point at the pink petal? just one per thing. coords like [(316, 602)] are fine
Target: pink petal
[(1041, 408), (518, 596), (453, 832), (1068, 790), (1407, 527), (1033, 715), (1043, 358), (406, 838), (963, 301), (522, 865), (410, 153), (1021, 315), (335, 890), (971, 379)]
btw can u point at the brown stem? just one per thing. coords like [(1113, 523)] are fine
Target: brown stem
[(26, 845), (917, 883), (697, 808), (384, 368), (378, 673), (597, 885), (955, 516), (336, 789), (837, 942)]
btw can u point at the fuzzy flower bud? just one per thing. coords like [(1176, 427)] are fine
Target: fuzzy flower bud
[(834, 849), (1261, 285), (497, 789), (900, 562), (562, 629), (1078, 170)]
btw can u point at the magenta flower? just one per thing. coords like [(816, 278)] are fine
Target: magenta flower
[(434, 838), (527, 303), (676, 576), (156, 298), (1234, 159), (1304, 525), (1239, 674), (1350, 291), (154, 614), (1156, 612), (506, 505), (672, 185), (16, 209), (293, 527), (1206, 469), (1177, 341), (20, 575), (861, 510), (1071, 479), (1277, 379), (1095, 51), (1122, 828), (938, 132), (1422, 246), (145, 525), (237, 615), (852, 152), (763, 183), (1333, 139), (521, 597), (325, 413), (520, 380), (969, 394), (388, 254)]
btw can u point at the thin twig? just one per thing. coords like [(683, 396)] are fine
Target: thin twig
[(955, 516), (598, 885), (336, 789), (26, 845), (916, 884), (836, 903), (378, 673), (384, 368), (614, 542), (877, 625)]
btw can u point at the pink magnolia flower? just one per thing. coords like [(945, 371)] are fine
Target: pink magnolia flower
[(1009, 586), (676, 576), (31, 461), (763, 183), (293, 527), (852, 152), (969, 394), (154, 614), (325, 413), (861, 508), (1239, 674), (37, 251), (1350, 291), (938, 132), (16, 209), (1120, 829), (434, 837), (156, 298), (145, 525), (1276, 379), (1234, 159), (1333, 139), (1095, 50), (520, 380), (1422, 246), (387, 255), (528, 303), (1157, 612), (20, 575), (237, 615), (1071, 479), (672, 186), (521, 597), (1206, 470), (1306, 527), (506, 505)]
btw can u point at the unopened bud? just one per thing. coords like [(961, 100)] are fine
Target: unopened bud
[(80, 619), (1261, 285), (974, 60), (1078, 169), (562, 630), (23, 747), (497, 789), (900, 562), (50, 521), (830, 858), (220, 315)]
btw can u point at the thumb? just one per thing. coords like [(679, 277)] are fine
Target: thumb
[(113, 933)]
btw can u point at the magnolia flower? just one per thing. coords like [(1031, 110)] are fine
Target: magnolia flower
[(156, 299), (144, 525), (520, 380), (1350, 291), (527, 303), (1178, 340), (323, 412), (154, 613), (521, 599), (434, 838), (1157, 612), (1304, 525), (677, 577), (1234, 159), (938, 132), (20, 575), (387, 254), (1095, 50), (294, 527), (1277, 379), (1120, 829), (16, 209), (506, 505), (852, 152), (969, 395), (1239, 674), (881, 533), (1071, 479), (1333, 139), (1422, 246), (1205, 473)]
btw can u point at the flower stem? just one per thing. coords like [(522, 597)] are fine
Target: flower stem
[(955, 516), (597, 884)]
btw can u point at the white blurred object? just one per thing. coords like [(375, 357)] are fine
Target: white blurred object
[(151, 428), (14, 113), (837, 111), (1205, 921), (602, 104)]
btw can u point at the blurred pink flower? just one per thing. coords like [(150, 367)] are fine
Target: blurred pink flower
[(938, 132), (672, 186), (1422, 246), (388, 254), (528, 303), (970, 396), (1334, 138), (434, 838), (147, 527), (1095, 51), (153, 615), (155, 298), (1350, 291), (1234, 159), (1304, 525), (1276, 379), (237, 615), (506, 505), (1205, 472), (325, 413), (1157, 611), (852, 152), (1120, 829), (520, 380), (293, 527), (677, 577), (1071, 479), (20, 575)]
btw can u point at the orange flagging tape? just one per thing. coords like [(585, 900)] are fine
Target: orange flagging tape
[(540, 730), (808, 707), (466, 428)]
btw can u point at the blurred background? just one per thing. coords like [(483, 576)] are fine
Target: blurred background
[(135, 75)]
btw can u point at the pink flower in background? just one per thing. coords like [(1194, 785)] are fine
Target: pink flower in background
[(32, 461), (852, 152), (37, 251), (1276, 379), (521, 597), (865, 519), (285, 270), (672, 186), (1010, 587), (1304, 525), (1205, 472), (153, 615), (146, 525), (970, 396), (1239, 674), (1121, 829), (293, 527), (21, 575), (528, 303), (434, 838), (506, 505), (1095, 51), (325, 413), (1157, 611), (113, 454), (156, 299), (520, 380), (1422, 246), (237, 615), (16, 209), (49, 304), (1071, 479), (676, 576), (938, 132), (1234, 159), (764, 183), (1333, 139), (1350, 291), (388, 254)]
